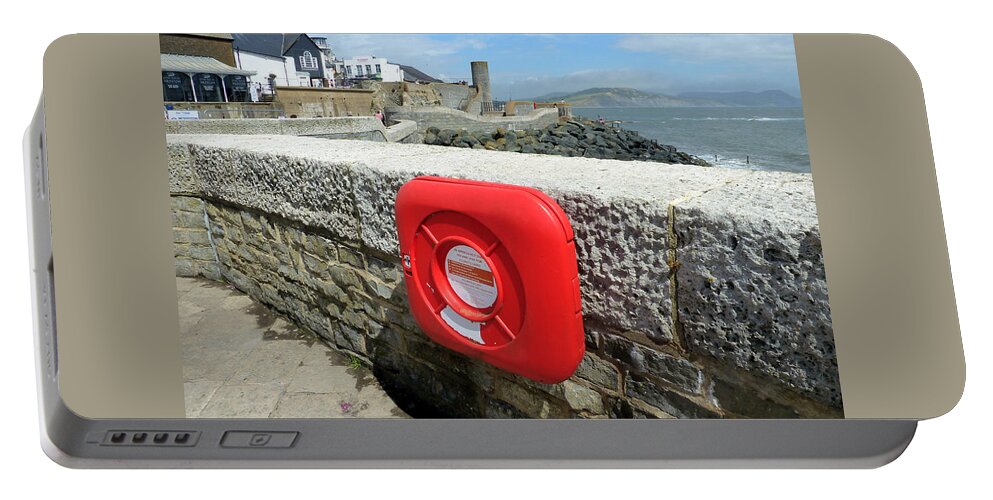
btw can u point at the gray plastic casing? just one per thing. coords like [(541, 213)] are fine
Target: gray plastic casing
[(75, 441)]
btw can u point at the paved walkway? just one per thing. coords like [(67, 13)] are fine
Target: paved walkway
[(241, 359)]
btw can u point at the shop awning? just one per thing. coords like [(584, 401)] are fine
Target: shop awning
[(199, 64)]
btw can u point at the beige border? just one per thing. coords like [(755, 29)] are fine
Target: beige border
[(893, 309), (117, 315), (889, 281)]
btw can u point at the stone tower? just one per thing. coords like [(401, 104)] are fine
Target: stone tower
[(481, 80)]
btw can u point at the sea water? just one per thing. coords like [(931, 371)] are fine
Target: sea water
[(767, 138)]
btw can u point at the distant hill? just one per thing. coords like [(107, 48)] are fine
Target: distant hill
[(616, 97), (765, 98), (623, 98)]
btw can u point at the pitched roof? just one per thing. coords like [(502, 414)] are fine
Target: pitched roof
[(267, 44), (219, 36), (289, 39), (199, 64), (412, 74)]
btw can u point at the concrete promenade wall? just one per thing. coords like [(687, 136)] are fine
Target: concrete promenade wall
[(445, 118), (367, 128), (317, 102), (231, 110), (703, 288)]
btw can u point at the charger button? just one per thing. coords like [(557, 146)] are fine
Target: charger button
[(258, 439)]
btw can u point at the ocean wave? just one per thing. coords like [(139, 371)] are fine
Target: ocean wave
[(740, 119), (768, 119), (732, 162), (738, 163)]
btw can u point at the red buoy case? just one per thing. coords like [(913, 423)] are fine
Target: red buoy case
[(491, 273)]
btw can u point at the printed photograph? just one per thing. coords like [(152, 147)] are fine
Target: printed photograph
[(495, 226)]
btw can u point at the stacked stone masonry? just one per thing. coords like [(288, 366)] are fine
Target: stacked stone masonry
[(703, 289), (445, 118), (194, 250)]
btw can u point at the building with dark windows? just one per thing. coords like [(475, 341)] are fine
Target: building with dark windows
[(199, 67), (203, 79)]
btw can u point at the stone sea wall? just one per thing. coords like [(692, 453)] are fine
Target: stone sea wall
[(448, 95), (320, 102), (445, 118), (703, 289), (454, 96), (367, 128)]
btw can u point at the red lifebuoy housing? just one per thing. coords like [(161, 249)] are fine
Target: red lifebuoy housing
[(491, 273)]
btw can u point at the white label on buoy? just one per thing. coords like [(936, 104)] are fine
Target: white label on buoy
[(470, 277), (464, 327)]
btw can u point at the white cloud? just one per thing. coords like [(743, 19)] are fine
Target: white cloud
[(424, 52), (471, 42), (692, 48)]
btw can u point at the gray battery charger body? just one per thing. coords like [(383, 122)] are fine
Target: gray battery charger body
[(854, 86), (76, 441)]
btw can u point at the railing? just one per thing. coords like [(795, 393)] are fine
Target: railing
[(519, 108), (265, 91), (491, 107)]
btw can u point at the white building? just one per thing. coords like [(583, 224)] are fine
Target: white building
[(272, 70), (280, 59), (370, 67)]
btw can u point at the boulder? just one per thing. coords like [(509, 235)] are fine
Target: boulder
[(568, 141), (445, 137), (482, 136)]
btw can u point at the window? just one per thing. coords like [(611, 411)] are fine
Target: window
[(358, 70), (176, 87), (348, 70), (208, 88), (378, 69), (308, 61), (368, 69)]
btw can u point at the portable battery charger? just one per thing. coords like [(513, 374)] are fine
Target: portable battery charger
[(271, 252)]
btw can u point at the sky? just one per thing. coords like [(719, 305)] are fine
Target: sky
[(527, 66)]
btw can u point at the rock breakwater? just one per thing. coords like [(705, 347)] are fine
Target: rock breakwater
[(567, 138)]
